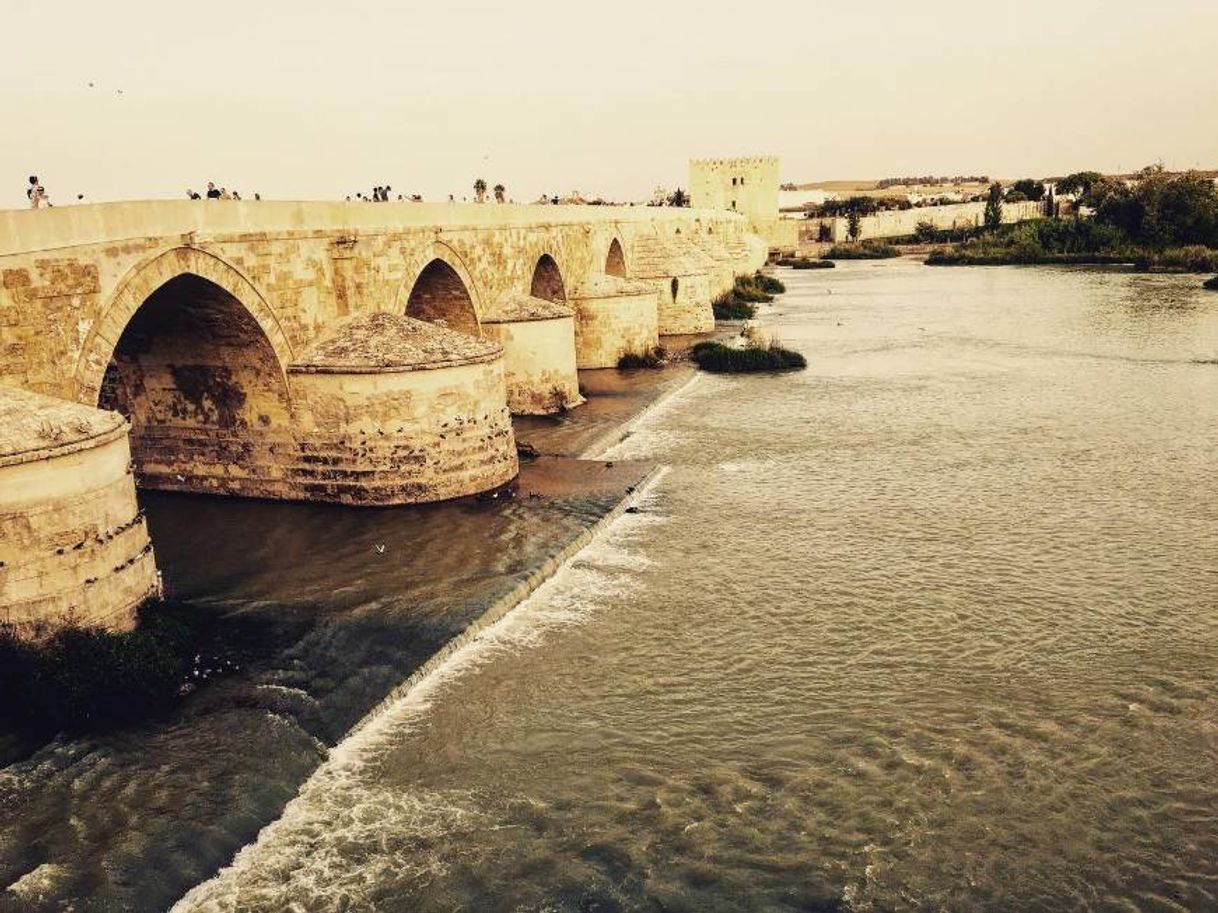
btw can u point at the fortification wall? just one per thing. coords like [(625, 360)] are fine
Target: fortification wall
[(898, 223)]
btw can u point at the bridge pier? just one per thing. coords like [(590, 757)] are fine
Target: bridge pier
[(613, 317), (74, 547), (538, 340), (393, 410), (682, 289)]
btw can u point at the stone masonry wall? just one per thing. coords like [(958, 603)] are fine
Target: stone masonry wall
[(73, 545), (398, 437)]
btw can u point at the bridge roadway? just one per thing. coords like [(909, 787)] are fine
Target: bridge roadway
[(363, 353)]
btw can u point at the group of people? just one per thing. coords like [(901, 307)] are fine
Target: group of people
[(218, 193), (381, 195)]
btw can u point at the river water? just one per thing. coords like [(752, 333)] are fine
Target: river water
[(928, 626)]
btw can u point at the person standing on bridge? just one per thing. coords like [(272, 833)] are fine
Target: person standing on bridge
[(37, 193)]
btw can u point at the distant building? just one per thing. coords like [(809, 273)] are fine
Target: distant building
[(745, 185)]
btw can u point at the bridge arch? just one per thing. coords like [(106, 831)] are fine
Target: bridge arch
[(198, 368), (615, 260), (139, 285), (547, 281), (438, 288)]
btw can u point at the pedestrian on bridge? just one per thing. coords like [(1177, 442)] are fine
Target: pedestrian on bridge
[(37, 193)]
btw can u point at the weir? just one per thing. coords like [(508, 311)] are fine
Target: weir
[(363, 354)]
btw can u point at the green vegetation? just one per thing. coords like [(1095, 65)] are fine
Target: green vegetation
[(804, 263), (738, 303), (1211, 284), (1030, 190), (853, 224), (1191, 259), (768, 284), (931, 179), (88, 678), (868, 250), (654, 358), (723, 359), (1160, 222), (927, 233), (861, 205), (726, 307), (993, 206)]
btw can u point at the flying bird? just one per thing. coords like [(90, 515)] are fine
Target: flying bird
[(380, 549)]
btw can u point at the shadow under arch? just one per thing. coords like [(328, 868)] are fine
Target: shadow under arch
[(199, 379), (615, 260), (547, 281), (145, 279), (439, 289)]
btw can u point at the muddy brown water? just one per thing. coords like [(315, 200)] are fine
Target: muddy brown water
[(928, 626)]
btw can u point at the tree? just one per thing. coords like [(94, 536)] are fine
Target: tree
[(1031, 190), (1160, 209), (500, 190), (853, 224), (925, 233), (679, 198), (479, 191), (1079, 183), (993, 206)]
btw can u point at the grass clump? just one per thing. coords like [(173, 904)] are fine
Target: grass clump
[(728, 307), (81, 679), (769, 284), (652, 358), (738, 302), (724, 359), (805, 263), (1211, 284), (868, 250)]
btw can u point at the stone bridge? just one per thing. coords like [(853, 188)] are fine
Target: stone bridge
[(356, 353)]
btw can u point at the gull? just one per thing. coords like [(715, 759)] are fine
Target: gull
[(380, 549)]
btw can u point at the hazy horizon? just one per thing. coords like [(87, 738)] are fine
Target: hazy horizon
[(297, 102)]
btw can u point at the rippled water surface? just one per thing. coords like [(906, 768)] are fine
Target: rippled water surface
[(931, 625)]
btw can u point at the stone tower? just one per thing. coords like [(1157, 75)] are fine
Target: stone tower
[(745, 185)]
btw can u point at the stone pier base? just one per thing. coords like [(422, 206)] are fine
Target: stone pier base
[(614, 317), (539, 355), (74, 548)]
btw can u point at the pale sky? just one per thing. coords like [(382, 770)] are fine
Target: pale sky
[(311, 100)]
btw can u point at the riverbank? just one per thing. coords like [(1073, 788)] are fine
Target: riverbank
[(1072, 242), (319, 613)]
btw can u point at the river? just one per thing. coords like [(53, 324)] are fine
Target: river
[(929, 625)]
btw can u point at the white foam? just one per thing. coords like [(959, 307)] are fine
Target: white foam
[(344, 832), (646, 435)]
